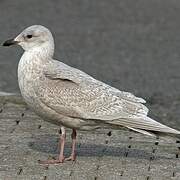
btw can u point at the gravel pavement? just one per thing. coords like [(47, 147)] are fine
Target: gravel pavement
[(132, 45)]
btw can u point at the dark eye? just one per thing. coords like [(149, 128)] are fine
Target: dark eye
[(29, 36)]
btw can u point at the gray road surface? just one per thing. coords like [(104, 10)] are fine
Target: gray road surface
[(132, 45)]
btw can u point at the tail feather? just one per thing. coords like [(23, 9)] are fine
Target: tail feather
[(142, 131), (144, 123)]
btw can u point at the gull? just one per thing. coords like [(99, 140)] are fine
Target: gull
[(68, 97)]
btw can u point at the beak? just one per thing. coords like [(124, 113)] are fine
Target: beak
[(10, 42)]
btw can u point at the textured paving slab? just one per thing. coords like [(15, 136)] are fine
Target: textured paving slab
[(25, 138), (132, 45)]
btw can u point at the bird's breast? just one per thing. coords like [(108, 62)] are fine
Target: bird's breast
[(29, 72)]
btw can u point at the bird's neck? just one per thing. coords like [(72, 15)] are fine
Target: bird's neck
[(36, 58), (45, 51)]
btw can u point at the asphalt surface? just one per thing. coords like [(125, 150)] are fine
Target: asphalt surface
[(132, 45)]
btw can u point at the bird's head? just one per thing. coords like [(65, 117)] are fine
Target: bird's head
[(33, 37)]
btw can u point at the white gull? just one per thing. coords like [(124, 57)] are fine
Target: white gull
[(68, 97)]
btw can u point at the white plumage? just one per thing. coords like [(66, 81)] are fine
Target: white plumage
[(69, 97)]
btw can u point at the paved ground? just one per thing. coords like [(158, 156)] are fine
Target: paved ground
[(125, 155), (132, 45)]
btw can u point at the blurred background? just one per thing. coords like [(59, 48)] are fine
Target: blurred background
[(132, 45)]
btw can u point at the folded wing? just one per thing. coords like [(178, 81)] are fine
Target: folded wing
[(74, 93)]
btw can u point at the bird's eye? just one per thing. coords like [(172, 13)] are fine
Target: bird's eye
[(29, 36)]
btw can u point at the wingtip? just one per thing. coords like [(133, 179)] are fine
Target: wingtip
[(141, 100)]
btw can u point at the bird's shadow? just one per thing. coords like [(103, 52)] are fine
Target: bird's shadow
[(49, 144)]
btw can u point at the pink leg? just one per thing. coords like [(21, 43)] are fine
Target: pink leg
[(61, 154), (72, 157)]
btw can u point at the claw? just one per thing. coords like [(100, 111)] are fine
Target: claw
[(71, 158), (52, 161)]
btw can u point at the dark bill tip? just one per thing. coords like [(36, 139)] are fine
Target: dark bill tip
[(9, 42)]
